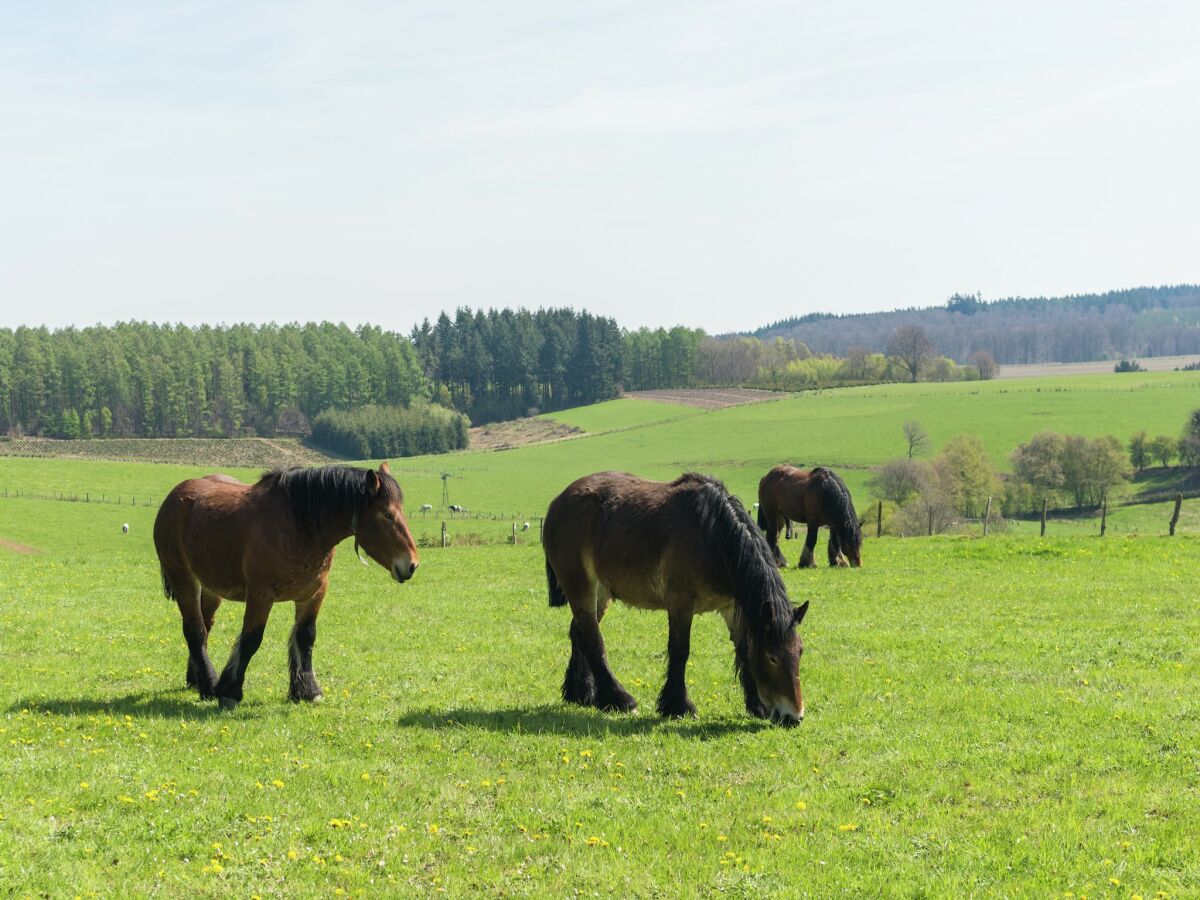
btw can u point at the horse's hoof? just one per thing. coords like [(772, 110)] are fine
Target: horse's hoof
[(682, 711), (619, 703), (228, 702)]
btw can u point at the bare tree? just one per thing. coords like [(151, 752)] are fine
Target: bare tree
[(912, 347), (898, 480), (986, 364), (916, 437)]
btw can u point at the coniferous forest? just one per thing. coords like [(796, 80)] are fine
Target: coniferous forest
[(149, 380), (410, 393)]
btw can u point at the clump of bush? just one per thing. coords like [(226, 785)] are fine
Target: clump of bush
[(374, 432), (1128, 365)]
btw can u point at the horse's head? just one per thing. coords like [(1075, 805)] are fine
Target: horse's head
[(853, 554), (776, 671), (382, 529)]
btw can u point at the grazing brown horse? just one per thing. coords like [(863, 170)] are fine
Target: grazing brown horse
[(817, 497), (687, 547), (266, 542)]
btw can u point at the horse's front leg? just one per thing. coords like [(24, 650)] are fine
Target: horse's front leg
[(754, 704), (810, 546), (303, 683), (229, 686), (674, 702)]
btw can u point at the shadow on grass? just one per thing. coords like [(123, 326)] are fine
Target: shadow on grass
[(168, 703), (566, 720)]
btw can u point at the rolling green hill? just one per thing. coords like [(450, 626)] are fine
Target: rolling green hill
[(851, 430)]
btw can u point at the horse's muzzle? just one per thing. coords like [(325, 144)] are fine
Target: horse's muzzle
[(404, 570), (786, 720)]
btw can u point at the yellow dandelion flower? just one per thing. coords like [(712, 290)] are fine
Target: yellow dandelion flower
[(721, 837), (84, 785), (292, 854), (586, 754), (801, 805), (1115, 882), (365, 776), (277, 783), (850, 826), (433, 829)]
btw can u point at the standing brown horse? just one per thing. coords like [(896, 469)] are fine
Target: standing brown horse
[(271, 541), (687, 547), (818, 497)]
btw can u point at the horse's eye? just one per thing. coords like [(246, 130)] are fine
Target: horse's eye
[(388, 516), (773, 660)]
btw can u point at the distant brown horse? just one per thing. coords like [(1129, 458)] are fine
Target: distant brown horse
[(687, 547), (815, 498), (271, 541)]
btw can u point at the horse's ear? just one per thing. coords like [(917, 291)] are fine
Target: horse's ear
[(383, 467), (799, 613), (373, 483)]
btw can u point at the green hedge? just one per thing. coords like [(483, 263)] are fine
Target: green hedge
[(375, 432)]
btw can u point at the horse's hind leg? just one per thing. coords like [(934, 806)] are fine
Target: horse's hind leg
[(810, 545), (186, 591), (209, 602), (303, 682), (772, 518), (579, 685), (588, 601), (674, 702)]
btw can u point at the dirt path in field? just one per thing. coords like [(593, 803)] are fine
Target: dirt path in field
[(1150, 364), (520, 433), (15, 547), (707, 398)]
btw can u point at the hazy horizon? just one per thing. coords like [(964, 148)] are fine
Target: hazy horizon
[(720, 167)]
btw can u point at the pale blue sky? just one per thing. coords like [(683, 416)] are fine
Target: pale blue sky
[(720, 165)]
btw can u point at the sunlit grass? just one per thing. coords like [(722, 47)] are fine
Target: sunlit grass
[(1009, 716)]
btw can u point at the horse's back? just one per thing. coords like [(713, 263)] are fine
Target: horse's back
[(639, 538), (209, 505)]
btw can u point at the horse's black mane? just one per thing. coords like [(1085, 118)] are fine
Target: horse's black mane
[(838, 505), (319, 496), (762, 609)]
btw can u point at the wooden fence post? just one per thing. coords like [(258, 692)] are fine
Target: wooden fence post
[(1103, 513), (879, 520), (443, 535), (987, 514), (514, 532), (1175, 515), (1045, 503), (931, 521)]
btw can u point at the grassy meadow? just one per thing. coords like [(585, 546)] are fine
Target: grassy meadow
[(1009, 716)]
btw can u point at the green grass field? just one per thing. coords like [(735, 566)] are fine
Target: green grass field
[(1009, 716), (851, 430)]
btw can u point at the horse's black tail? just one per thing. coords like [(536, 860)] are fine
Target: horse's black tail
[(168, 591), (762, 518), (557, 597), (839, 508)]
